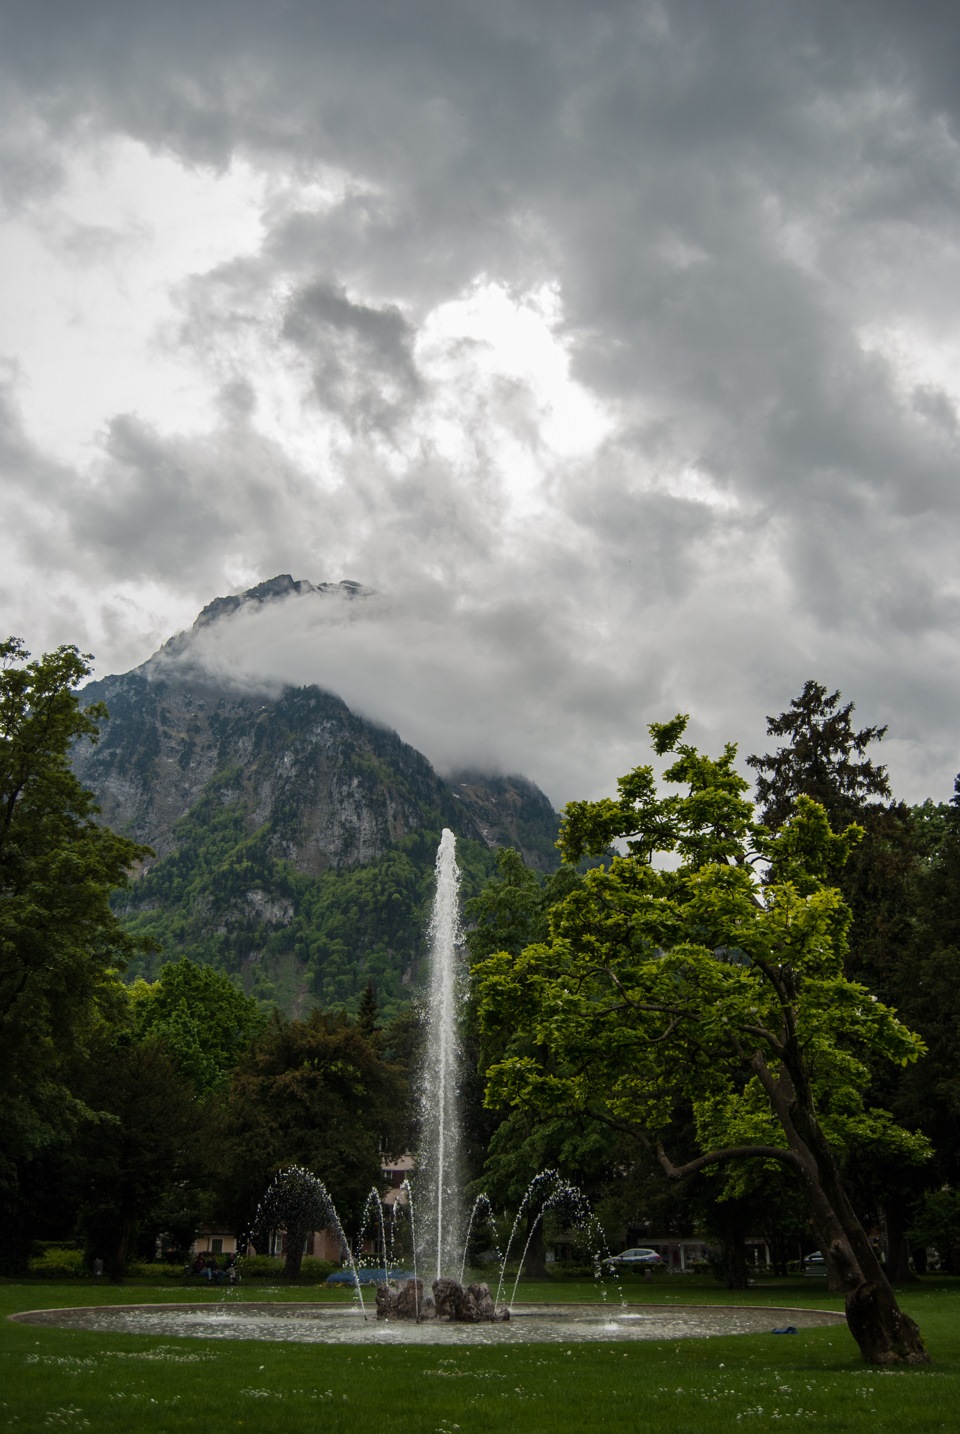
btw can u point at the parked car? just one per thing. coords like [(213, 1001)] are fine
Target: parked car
[(635, 1259), (814, 1264), (370, 1275)]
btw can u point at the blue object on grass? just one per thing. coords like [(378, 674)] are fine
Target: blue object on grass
[(375, 1276)]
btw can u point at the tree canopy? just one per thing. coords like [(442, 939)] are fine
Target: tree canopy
[(315, 1094), (201, 1018), (698, 986), (60, 944)]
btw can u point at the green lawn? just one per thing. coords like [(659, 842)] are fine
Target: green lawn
[(74, 1380)]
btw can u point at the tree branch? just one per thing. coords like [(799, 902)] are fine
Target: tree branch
[(732, 1152)]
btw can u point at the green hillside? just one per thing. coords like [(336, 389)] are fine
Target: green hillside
[(329, 934)]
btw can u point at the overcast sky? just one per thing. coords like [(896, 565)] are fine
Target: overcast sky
[(615, 345)]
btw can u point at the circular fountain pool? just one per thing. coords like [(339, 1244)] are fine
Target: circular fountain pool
[(338, 1324)]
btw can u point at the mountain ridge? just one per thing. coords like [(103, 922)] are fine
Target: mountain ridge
[(272, 810)]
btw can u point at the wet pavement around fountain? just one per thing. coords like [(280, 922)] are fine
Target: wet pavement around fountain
[(529, 1324)]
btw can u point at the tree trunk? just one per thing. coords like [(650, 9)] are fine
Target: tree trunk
[(120, 1255), (731, 1262), (294, 1257), (883, 1332), (535, 1260), (779, 1247), (835, 1284), (734, 1264), (898, 1247)]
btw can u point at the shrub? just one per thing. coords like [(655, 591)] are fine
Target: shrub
[(58, 1262), (260, 1267), (268, 1267), (317, 1270), (938, 1224), (154, 1270)]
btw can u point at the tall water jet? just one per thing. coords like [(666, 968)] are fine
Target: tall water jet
[(440, 1214)]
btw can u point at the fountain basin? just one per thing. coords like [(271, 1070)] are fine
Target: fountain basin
[(337, 1324)]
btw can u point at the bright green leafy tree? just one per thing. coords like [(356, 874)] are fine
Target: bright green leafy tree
[(200, 1017), (701, 987), (60, 945)]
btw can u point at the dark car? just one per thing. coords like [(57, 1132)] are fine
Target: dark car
[(371, 1275), (635, 1259)]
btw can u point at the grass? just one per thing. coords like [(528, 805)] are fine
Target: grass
[(78, 1380)]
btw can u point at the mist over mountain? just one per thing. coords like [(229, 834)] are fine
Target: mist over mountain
[(294, 838)]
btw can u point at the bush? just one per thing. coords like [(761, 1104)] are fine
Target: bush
[(260, 1267), (154, 1270), (938, 1224), (317, 1270), (58, 1262), (268, 1267)]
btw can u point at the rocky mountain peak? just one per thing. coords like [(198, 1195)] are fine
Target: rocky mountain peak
[(282, 586)]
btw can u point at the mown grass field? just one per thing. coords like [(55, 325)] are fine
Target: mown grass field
[(77, 1380)]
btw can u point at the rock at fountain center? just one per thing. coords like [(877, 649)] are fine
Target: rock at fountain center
[(451, 1301), (405, 1302)]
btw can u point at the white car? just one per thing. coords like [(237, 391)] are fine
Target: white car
[(633, 1259)]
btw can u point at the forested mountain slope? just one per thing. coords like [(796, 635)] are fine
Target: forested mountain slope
[(294, 840)]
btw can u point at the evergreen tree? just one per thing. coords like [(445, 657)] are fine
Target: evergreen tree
[(368, 1011), (824, 758), (146, 1148)]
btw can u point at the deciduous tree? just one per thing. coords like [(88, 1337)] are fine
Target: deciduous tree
[(702, 987), (60, 944), (314, 1093), (200, 1017)]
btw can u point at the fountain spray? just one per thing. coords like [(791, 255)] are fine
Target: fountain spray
[(440, 1213)]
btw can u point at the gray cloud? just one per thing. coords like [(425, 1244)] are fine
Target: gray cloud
[(749, 214), (360, 356)]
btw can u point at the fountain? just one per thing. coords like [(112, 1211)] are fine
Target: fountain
[(439, 1240), (438, 1235)]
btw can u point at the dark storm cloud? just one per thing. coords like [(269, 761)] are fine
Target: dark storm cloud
[(360, 356), (745, 207)]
